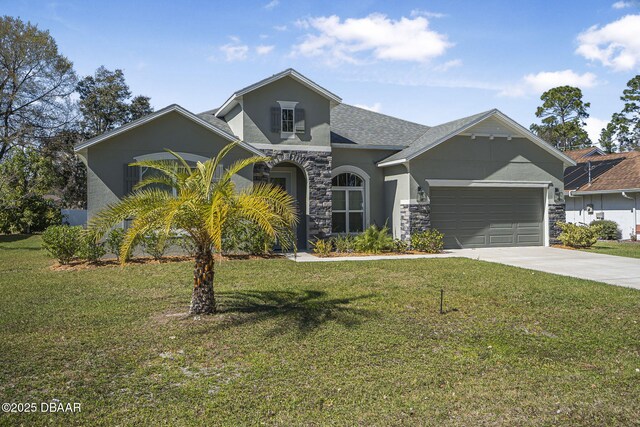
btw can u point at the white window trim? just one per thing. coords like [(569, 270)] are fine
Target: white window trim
[(288, 105), (366, 180)]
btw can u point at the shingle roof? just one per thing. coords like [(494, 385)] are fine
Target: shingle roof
[(354, 125), (436, 134), (209, 117), (582, 152), (620, 171)]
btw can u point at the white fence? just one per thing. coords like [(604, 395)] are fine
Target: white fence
[(74, 216)]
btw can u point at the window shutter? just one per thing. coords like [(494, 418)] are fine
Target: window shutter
[(275, 119), (299, 120), (131, 178)]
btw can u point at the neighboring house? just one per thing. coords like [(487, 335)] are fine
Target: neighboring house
[(604, 186), (482, 180)]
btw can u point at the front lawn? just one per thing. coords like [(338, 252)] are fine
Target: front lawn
[(626, 249), (344, 343)]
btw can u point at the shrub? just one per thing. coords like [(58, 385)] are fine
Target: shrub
[(245, 237), (62, 242), (606, 229), (156, 243), (89, 249), (114, 241), (400, 246), (186, 243), (343, 243), (577, 236), (374, 240), (430, 241), (322, 247)]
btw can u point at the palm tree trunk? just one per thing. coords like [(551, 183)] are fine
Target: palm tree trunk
[(203, 300)]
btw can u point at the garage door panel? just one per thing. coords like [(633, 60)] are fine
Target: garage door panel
[(474, 240), (477, 217), (533, 239), (506, 239)]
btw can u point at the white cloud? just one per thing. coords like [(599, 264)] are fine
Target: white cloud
[(375, 107), (448, 65), (622, 4), (616, 45), (264, 49), (376, 35), (280, 28), (594, 126), (272, 4), (235, 51), (426, 13), (537, 83)]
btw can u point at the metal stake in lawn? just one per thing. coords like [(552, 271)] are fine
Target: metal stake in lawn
[(441, 300)]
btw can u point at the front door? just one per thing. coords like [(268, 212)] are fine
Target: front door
[(285, 178)]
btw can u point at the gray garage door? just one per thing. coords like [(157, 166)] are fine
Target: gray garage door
[(487, 217)]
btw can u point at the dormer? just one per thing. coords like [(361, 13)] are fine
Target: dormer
[(284, 109)]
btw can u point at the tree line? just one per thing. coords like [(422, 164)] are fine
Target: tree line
[(563, 113), (45, 109)]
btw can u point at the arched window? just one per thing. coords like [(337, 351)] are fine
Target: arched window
[(348, 203)]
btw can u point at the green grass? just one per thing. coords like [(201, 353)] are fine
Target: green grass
[(626, 249), (345, 343)]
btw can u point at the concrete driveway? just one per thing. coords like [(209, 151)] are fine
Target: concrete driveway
[(614, 270)]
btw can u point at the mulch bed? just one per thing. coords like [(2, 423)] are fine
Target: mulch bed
[(83, 265), (348, 254)]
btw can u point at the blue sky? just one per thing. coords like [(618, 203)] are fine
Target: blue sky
[(425, 61)]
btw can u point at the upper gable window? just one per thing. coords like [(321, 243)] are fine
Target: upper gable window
[(287, 119)]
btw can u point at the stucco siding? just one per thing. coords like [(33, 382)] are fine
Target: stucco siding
[(235, 121), (463, 158), (257, 114), (614, 207), (106, 161), (396, 190), (366, 160)]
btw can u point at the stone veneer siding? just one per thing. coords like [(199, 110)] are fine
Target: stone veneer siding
[(414, 218), (317, 167), (557, 213)]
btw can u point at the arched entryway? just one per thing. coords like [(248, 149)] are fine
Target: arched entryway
[(311, 172)]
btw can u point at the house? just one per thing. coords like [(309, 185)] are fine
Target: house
[(604, 186), (483, 180)]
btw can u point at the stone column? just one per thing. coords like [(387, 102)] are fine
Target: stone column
[(557, 213), (414, 218)]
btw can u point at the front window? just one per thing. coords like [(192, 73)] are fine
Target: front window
[(287, 120), (347, 203)]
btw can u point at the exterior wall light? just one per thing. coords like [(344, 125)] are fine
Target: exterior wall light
[(422, 195)]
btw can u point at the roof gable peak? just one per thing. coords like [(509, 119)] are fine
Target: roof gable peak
[(289, 72)]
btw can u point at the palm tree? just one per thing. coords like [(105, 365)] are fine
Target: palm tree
[(192, 200)]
